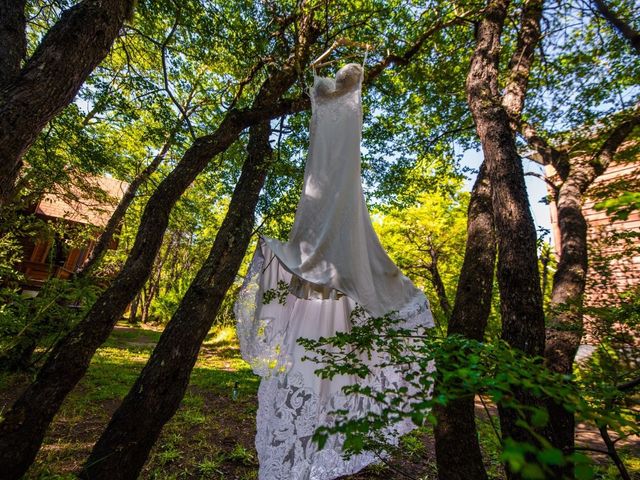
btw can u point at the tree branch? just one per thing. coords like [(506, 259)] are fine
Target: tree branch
[(51, 78), (13, 40), (549, 155), (413, 50), (521, 61), (165, 74), (614, 140), (619, 24), (630, 385), (301, 103)]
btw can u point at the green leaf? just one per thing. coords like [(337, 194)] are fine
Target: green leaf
[(417, 418), (532, 471), (540, 417), (584, 472), (551, 456)]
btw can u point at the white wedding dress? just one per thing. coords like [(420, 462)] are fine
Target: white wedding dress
[(332, 262)]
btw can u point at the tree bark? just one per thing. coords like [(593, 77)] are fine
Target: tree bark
[(13, 40), (124, 446), (518, 276), (438, 284), (455, 429), (24, 425), (564, 330), (619, 24), (50, 79), (118, 215)]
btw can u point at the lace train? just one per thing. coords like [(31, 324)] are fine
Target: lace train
[(293, 401)]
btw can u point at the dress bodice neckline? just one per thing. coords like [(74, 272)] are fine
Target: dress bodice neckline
[(343, 68), (346, 79)]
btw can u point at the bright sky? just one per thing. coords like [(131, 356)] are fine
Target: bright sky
[(536, 188)]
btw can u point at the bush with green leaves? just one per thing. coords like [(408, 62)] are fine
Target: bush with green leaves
[(465, 368), (28, 323)]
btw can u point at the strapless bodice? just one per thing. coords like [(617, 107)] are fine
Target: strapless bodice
[(347, 79), (338, 100)]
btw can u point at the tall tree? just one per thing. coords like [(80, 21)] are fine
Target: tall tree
[(51, 77), (578, 161), (455, 429), (518, 277), (575, 173), (25, 423), (124, 446)]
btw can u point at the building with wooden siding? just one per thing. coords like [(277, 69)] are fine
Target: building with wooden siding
[(52, 258), (614, 244)]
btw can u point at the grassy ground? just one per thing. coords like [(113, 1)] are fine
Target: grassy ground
[(212, 434)]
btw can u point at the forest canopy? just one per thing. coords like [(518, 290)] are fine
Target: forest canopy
[(147, 146)]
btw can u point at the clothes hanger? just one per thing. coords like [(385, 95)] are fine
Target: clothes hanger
[(317, 63), (329, 62)]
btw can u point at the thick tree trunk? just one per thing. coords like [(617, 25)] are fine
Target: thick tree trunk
[(50, 79), (564, 329), (124, 446), (455, 430), (118, 215), (518, 276), (24, 425), (13, 40)]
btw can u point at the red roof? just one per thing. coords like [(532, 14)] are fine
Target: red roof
[(76, 206)]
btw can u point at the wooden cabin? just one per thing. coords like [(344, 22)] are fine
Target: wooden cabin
[(47, 258)]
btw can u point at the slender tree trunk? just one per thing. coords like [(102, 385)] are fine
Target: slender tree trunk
[(564, 330), (144, 309), (518, 275), (50, 79), (24, 425), (13, 40), (438, 284), (124, 446), (544, 260), (133, 310), (455, 429), (121, 210)]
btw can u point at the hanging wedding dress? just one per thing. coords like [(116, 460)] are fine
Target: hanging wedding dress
[(332, 262)]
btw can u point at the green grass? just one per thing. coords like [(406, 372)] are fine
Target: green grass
[(212, 434)]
